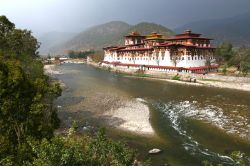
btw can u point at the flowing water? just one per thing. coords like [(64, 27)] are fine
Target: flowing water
[(192, 124)]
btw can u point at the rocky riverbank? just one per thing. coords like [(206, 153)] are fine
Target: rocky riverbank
[(209, 80)]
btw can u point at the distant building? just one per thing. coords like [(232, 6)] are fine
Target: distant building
[(187, 52)]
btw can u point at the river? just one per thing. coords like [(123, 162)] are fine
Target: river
[(191, 124)]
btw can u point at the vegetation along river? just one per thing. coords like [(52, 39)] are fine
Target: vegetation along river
[(191, 124)]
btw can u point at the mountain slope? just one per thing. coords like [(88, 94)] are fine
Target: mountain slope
[(52, 39), (108, 34), (146, 28), (95, 37), (234, 29)]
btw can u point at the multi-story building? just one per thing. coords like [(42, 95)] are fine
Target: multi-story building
[(187, 52)]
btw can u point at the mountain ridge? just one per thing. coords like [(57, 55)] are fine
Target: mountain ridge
[(107, 34), (233, 29)]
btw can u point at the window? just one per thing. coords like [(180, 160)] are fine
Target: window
[(189, 58)]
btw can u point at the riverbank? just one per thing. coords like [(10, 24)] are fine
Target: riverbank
[(208, 80)]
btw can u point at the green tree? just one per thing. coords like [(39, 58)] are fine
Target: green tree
[(5, 28), (97, 56), (22, 42), (242, 60), (224, 52), (16, 42), (73, 150), (26, 95), (26, 108)]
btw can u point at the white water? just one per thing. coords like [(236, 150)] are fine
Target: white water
[(178, 112), (231, 122)]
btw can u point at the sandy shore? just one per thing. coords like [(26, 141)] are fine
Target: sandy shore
[(132, 116), (228, 85)]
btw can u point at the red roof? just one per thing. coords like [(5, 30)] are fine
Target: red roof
[(163, 67), (136, 49), (114, 62), (187, 37), (109, 47), (202, 67), (188, 33), (125, 64), (135, 44), (117, 48), (180, 45)]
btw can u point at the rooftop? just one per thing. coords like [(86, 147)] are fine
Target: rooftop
[(188, 34), (134, 34)]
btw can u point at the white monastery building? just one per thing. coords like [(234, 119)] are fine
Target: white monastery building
[(187, 52)]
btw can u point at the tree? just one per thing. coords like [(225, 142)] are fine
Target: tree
[(242, 60), (26, 95), (22, 42), (5, 28), (80, 54), (73, 150), (16, 42), (97, 56), (224, 52), (26, 108)]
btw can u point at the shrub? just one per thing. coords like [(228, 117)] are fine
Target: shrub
[(176, 77)]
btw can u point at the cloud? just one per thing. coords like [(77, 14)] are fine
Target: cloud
[(75, 15)]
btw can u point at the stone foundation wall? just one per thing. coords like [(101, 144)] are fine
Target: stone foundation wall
[(183, 75)]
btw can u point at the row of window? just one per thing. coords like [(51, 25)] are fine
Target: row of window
[(139, 58), (177, 58)]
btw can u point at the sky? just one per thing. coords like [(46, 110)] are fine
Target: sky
[(43, 16)]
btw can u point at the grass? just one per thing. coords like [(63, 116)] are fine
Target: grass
[(176, 77)]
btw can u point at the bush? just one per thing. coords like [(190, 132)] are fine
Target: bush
[(176, 77), (140, 73), (73, 150)]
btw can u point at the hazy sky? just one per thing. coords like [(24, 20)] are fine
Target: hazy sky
[(75, 15)]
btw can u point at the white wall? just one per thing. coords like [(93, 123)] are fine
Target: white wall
[(163, 60)]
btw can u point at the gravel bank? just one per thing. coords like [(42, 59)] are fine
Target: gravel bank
[(133, 116)]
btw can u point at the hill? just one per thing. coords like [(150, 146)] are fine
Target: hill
[(52, 39), (108, 34), (234, 29)]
